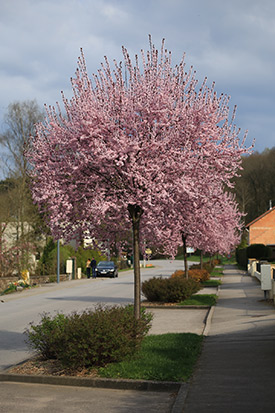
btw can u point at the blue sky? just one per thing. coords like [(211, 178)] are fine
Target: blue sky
[(232, 43)]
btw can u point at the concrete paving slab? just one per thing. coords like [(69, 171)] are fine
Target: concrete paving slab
[(236, 370), (36, 398), (178, 320)]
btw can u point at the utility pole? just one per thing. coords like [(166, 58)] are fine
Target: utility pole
[(58, 261)]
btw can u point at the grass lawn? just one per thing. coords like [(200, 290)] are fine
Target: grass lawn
[(231, 260), (201, 299), (164, 357), (211, 283), (217, 272)]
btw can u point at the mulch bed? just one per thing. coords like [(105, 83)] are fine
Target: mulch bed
[(39, 367)]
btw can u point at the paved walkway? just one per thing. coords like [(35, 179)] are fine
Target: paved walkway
[(236, 371)]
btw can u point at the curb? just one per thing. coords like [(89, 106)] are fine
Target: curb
[(143, 385), (209, 317), (140, 385), (176, 307)]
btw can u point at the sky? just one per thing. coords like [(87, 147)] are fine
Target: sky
[(231, 42)]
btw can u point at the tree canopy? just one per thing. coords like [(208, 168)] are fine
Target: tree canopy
[(136, 143)]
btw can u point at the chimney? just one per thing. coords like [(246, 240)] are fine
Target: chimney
[(270, 204)]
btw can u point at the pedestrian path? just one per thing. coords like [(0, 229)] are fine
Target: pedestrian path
[(236, 371)]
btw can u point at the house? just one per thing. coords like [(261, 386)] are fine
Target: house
[(262, 230)]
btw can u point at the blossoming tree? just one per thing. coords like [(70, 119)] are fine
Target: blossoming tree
[(130, 139)]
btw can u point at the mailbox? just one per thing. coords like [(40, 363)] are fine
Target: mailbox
[(266, 277)]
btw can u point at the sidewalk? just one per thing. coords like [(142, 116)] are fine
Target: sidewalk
[(236, 371)]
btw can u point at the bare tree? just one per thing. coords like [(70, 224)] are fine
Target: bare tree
[(18, 214)]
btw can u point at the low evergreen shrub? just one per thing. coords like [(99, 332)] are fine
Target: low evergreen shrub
[(89, 339), (241, 257), (169, 290), (258, 251)]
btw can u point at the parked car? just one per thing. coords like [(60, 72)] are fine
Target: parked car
[(106, 269)]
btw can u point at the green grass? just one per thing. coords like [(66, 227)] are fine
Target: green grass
[(225, 260), (201, 299), (211, 283), (165, 357), (217, 272)]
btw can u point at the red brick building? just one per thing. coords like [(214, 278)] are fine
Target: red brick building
[(262, 230)]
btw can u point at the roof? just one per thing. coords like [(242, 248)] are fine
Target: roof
[(260, 217)]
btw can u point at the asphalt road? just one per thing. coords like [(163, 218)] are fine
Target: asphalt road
[(20, 309)]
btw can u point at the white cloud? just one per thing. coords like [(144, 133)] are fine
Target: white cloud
[(232, 43)]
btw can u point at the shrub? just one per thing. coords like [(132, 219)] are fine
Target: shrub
[(258, 251), (91, 338), (194, 272), (170, 290), (241, 257), (82, 255), (208, 266), (48, 261), (199, 275), (178, 273), (45, 337)]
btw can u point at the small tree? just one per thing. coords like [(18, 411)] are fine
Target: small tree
[(128, 143)]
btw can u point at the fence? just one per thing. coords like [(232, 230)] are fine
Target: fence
[(265, 273)]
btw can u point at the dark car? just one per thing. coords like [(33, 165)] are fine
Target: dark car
[(106, 269)]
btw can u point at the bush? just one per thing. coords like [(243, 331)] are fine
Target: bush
[(208, 266), (178, 273), (258, 251), (199, 275), (45, 337), (169, 290), (241, 257), (82, 255), (195, 273), (91, 338), (48, 260)]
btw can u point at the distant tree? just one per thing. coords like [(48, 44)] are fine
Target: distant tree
[(255, 187), (211, 223), (22, 215), (130, 141)]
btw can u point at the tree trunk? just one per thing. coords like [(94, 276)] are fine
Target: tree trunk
[(136, 212), (201, 260), (185, 255)]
